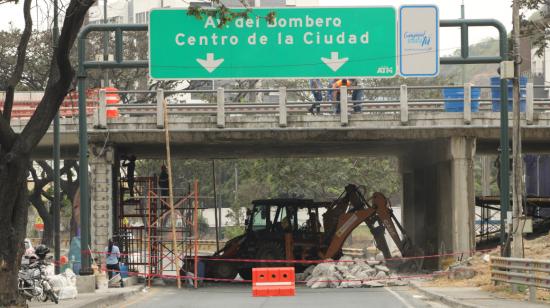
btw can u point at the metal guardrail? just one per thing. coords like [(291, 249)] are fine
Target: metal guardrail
[(528, 272)]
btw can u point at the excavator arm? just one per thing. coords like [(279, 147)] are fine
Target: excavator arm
[(352, 209)]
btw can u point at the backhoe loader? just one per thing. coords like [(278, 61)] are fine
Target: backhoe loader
[(289, 229)]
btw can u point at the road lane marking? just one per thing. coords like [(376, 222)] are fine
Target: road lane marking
[(401, 299)]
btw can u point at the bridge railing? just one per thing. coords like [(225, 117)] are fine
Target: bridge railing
[(401, 101)]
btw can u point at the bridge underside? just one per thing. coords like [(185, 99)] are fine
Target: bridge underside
[(435, 160), (437, 181)]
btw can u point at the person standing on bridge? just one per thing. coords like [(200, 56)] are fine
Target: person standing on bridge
[(356, 96), (336, 93), (315, 85), (130, 164)]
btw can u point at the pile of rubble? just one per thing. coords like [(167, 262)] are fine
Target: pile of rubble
[(349, 273)]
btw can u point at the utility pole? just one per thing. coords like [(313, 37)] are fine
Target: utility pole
[(463, 68), (56, 206), (517, 174), (105, 46)]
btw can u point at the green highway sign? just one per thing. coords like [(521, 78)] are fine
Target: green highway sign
[(298, 43)]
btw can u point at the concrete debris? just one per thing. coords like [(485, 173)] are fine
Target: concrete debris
[(349, 273), (382, 268), (379, 257), (373, 262), (486, 258), (300, 277), (381, 275), (462, 272), (396, 283), (308, 271), (372, 284)]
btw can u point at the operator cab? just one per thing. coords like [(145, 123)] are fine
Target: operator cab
[(278, 220), (285, 215)]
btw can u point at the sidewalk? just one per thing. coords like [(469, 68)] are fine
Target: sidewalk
[(101, 298), (469, 297)]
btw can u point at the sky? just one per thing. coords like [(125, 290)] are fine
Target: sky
[(449, 9)]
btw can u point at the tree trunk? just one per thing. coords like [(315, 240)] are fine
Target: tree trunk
[(13, 222), (47, 218), (47, 235)]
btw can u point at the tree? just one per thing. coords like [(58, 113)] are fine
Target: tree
[(42, 190), (537, 26), (16, 147)]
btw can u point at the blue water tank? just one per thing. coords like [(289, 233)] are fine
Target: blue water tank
[(495, 93), (455, 105), (123, 270)]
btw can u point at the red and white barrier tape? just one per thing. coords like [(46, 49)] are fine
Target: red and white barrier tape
[(303, 261)]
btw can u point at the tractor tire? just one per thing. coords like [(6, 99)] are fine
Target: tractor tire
[(223, 270), (270, 251)]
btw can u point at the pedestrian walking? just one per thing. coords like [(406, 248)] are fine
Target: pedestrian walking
[(112, 261)]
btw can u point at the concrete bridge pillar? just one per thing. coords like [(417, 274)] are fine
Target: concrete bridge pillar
[(462, 151), (438, 196), (101, 194)]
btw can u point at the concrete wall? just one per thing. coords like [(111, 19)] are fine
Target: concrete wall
[(438, 195)]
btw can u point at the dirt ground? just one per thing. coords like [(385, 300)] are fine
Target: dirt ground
[(538, 248)]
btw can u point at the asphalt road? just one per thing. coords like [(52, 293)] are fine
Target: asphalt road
[(234, 296)]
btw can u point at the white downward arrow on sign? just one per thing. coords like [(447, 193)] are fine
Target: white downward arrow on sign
[(210, 64), (334, 63)]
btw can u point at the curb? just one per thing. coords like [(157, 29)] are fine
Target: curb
[(447, 300), (113, 299)]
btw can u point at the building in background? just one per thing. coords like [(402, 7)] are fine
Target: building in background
[(537, 66), (137, 11)]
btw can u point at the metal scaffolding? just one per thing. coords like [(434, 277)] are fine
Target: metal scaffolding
[(145, 228)]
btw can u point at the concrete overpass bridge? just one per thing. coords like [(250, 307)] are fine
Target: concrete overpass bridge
[(435, 148)]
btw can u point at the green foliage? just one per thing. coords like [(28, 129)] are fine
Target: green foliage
[(232, 232), (224, 14), (39, 53), (238, 182), (203, 225)]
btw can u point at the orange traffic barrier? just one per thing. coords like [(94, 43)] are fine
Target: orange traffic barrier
[(112, 101), (273, 281)]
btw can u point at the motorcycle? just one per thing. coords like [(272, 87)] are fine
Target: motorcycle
[(33, 284)]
